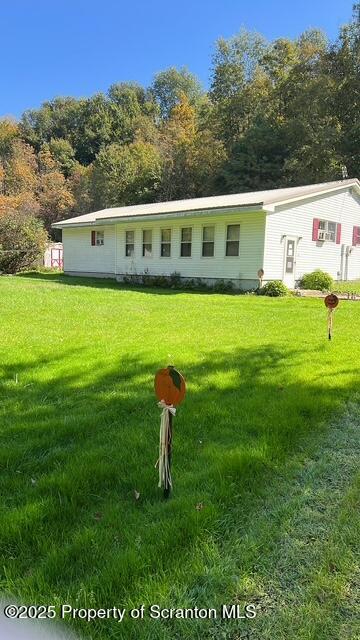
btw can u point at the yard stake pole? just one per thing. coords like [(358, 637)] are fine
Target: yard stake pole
[(330, 322), (331, 302), (164, 461), (167, 484)]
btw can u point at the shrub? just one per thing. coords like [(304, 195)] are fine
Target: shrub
[(319, 280), (22, 241), (223, 286), (175, 279), (274, 288)]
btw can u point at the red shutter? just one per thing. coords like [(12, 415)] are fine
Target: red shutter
[(316, 223), (93, 239), (338, 233), (356, 234)]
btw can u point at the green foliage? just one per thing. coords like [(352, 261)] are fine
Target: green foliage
[(63, 154), (223, 286), (22, 241), (126, 174), (175, 376), (175, 279), (277, 113), (274, 289), (319, 280), (169, 85)]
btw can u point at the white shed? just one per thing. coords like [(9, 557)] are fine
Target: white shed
[(53, 256), (285, 232)]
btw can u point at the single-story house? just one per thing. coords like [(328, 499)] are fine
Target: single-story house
[(284, 232)]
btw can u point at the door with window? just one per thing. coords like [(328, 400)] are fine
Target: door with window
[(289, 261)]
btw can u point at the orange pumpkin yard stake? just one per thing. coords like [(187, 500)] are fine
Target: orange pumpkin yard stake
[(170, 390), (331, 302)]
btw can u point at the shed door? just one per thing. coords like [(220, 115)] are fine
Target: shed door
[(289, 261), (57, 258)]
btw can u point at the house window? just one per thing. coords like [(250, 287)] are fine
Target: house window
[(147, 243), (186, 236), (97, 238), (232, 239), (129, 243), (165, 248), (327, 230), (208, 242)]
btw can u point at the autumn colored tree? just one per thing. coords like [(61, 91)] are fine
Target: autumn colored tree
[(18, 169), (54, 195), (22, 240)]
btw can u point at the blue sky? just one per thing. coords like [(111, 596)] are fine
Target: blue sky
[(77, 47)]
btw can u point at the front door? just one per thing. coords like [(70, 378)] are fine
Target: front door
[(289, 261)]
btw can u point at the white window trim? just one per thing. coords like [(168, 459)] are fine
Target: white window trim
[(202, 241), (325, 231), (230, 224), (170, 243), (142, 244), (189, 226), (99, 244), (127, 243)]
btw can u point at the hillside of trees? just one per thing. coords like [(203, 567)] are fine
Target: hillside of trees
[(277, 113)]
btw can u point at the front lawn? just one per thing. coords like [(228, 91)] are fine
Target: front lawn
[(265, 508), (349, 286)]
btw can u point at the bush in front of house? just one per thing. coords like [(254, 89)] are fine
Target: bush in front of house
[(175, 281), (319, 280), (223, 286), (22, 241), (274, 289)]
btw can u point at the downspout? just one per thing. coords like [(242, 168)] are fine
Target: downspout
[(115, 252)]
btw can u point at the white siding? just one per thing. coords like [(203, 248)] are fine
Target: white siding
[(297, 221), (243, 267), (81, 256)]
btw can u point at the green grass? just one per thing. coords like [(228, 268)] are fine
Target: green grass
[(351, 286), (265, 507)]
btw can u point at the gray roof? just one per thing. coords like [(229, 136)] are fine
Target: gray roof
[(259, 200)]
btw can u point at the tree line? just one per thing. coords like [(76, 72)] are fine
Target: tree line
[(279, 113)]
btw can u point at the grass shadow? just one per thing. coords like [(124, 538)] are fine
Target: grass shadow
[(110, 283), (72, 456)]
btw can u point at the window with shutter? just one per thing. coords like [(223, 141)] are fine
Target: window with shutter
[(326, 230)]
